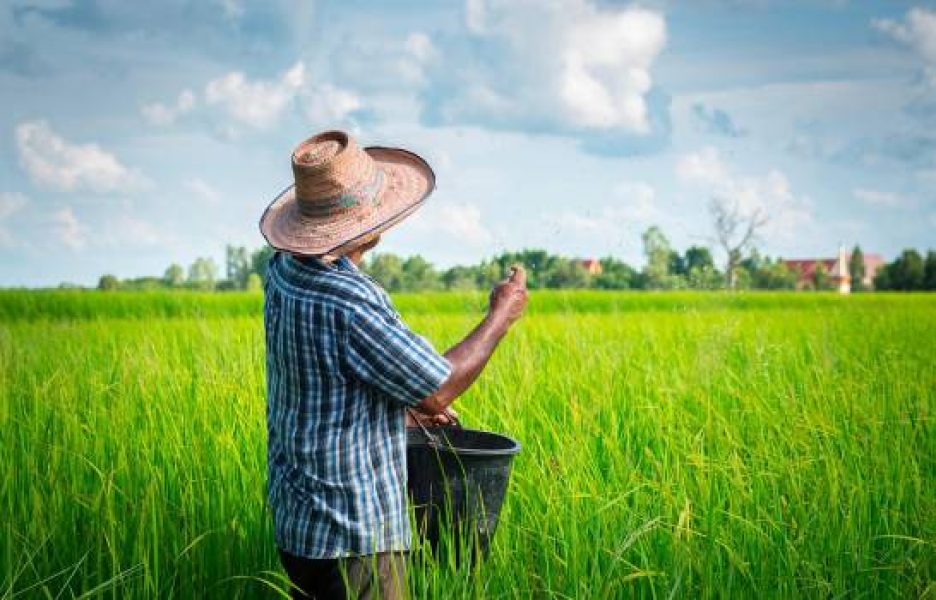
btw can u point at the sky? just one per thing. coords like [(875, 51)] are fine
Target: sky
[(134, 135)]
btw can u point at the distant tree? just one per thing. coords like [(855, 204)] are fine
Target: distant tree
[(260, 259), (659, 253), (539, 265), (929, 271), (700, 271), (856, 269), (237, 266), (882, 279), (767, 274), (491, 272), (906, 273), (569, 274), (108, 282), (419, 275), (909, 271), (460, 278), (677, 264), (203, 274), (615, 275), (705, 278), (698, 257), (387, 269), (174, 275), (735, 233)]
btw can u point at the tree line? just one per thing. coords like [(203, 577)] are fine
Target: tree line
[(909, 272), (665, 268)]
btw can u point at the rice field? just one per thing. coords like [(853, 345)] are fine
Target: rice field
[(675, 445)]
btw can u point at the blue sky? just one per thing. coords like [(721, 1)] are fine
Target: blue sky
[(133, 135)]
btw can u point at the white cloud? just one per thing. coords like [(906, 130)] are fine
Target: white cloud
[(566, 63), (203, 191), (771, 194), (420, 47), (327, 104), (705, 166), (458, 223), (638, 202), (161, 114), (126, 230), (917, 30), (475, 15), (56, 163), (10, 204), (258, 104), (233, 9), (67, 228), (878, 198)]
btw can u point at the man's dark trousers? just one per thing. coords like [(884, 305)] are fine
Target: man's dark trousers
[(368, 577)]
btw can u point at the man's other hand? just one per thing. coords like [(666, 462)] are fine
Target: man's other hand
[(509, 297)]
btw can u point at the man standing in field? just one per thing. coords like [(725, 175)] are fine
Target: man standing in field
[(342, 368)]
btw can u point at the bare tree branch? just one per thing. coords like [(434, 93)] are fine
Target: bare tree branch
[(735, 232)]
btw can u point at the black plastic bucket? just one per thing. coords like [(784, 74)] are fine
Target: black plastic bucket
[(457, 483)]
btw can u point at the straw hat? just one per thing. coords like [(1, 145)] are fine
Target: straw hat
[(344, 195)]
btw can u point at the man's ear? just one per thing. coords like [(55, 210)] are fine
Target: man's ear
[(368, 245)]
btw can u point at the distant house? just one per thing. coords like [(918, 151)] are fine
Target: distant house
[(835, 268), (592, 265)]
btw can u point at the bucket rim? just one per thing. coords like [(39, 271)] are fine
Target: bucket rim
[(514, 448)]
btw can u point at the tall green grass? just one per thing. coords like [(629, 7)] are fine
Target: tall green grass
[(675, 445)]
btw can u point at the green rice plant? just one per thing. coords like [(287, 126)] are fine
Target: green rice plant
[(674, 445)]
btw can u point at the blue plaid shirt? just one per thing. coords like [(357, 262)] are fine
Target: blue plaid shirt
[(341, 369)]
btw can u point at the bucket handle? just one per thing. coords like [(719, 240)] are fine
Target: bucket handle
[(431, 437)]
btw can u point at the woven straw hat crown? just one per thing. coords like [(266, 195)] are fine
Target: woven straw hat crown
[(332, 173)]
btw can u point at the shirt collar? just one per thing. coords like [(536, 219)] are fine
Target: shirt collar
[(342, 263)]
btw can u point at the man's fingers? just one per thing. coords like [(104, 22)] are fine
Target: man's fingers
[(518, 275)]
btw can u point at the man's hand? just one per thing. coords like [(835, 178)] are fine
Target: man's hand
[(447, 417), (509, 297)]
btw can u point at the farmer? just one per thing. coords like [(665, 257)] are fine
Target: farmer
[(342, 368)]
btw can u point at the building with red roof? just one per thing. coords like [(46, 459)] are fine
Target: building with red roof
[(592, 265), (836, 269)]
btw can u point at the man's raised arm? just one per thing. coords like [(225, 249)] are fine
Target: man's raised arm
[(469, 357)]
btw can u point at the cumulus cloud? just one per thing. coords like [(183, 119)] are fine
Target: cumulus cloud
[(58, 164), (258, 103), (127, 230), (458, 223), (327, 104), (918, 31), (233, 9), (203, 191), (878, 197), (238, 101), (161, 114), (419, 46), (69, 231), (10, 204), (566, 66), (771, 194)]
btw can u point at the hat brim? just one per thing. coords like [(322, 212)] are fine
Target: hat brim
[(408, 181)]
